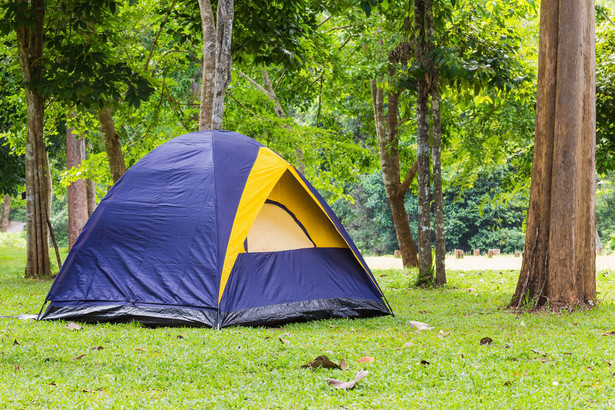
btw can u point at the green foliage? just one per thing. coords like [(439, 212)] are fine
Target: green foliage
[(605, 90), (605, 211), (476, 217), (535, 360), (476, 213), (12, 116)]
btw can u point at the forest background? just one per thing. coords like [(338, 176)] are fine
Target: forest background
[(301, 73)]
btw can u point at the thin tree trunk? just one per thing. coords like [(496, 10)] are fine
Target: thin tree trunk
[(269, 91), (281, 114), (216, 61), (208, 86), (38, 178), (4, 223), (389, 162), (224, 32), (558, 266), (76, 191), (90, 188), (91, 194), (112, 144), (422, 137), (436, 151)]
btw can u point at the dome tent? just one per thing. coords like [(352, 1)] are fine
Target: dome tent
[(213, 229)]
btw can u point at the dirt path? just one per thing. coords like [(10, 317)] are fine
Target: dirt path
[(500, 262), (15, 226)]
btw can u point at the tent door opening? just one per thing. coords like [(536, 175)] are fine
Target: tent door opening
[(276, 229)]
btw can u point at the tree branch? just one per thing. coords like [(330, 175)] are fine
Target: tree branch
[(251, 81), (409, 177), (151, 50), (249, 111)]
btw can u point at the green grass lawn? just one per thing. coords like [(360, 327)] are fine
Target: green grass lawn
[(535, 361)]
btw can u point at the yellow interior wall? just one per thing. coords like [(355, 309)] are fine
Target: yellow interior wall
[(293, 196)]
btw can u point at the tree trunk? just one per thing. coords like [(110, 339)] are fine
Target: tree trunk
[(422, 142), (436, 150), (4, 222), (38, 178), (90, 186), (558, 268), (76, 191), (216, 61), (112, 144), (389, 162)]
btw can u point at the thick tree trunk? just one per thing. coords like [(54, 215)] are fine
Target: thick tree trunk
[(216, 61), (436, 150), (38, 178), (422, 142), (4, 222), (558, 266), (112, 144), (389, 162), (76, 191)]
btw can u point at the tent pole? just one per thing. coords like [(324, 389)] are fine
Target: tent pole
[(38, 317)]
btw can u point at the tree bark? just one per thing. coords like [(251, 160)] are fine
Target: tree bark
[(112, 144), (436, 150), (38, 178), (4, 222), (216, 61), (558, 268), (90, 186), (76, 191), (422, 142), (389, 162)]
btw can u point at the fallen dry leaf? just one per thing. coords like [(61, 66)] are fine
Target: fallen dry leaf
[(486, 341), (284, 341), (343, 365), (17, 368), (79, 357), (15, 342), (425, 362), (420, 325), (612, 333), (323, 361), (73, 326), (442, 334), (332, 326), (338, 384), (97, 348), (366, 359), (141, 349)]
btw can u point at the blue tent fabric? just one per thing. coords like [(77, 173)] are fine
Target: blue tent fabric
[(153, 250)]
